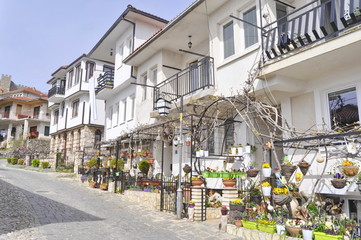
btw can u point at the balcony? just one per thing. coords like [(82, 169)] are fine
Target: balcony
[(197, 76), (105, 84), (309, 25), (33, 135), (56, 94), (5, 115)]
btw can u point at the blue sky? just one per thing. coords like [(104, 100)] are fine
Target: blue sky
[(39, 36)]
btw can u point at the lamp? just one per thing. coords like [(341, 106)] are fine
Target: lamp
[(190, 41), (111, 52), (163, 107)]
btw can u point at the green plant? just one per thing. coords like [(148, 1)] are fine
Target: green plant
[(120, 163), (238, 201), (65, 169), (35, 162), (9, 160), (14, 161), (312, 209), (44, 164), (93, 162), (144, 166), (21, 161), (255, 192)]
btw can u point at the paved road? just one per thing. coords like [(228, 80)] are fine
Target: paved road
[(40, 206)]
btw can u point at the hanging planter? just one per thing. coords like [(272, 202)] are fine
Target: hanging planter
[(350, 171), (187, 168), (266, 170), (303, 166), (252, 172), (288, 170), (282, 199), (266, 191), (229, 183), (338, 183)]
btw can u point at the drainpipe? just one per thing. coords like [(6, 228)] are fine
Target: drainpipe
[(133, 23)]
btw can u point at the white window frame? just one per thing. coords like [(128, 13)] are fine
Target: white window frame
[(70, 78), (144, 80), (110, 117), (124, 112), (153, 78), (116, 113), (77, 74), (226, 24), (132, 105), (246, 25)]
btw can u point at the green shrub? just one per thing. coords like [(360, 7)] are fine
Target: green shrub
[(65, 169), (93, 162), (9, 160), (21, 161), (120, 163), (14, 161), (144, 166), (35, 162), (44, 164)]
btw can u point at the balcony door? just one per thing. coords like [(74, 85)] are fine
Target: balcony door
[(36, 112), (7, 112), (18, 109), (193, 76)]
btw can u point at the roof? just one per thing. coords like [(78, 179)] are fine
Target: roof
[(66, 66), (30, 90), (130, 8), (24, 99)]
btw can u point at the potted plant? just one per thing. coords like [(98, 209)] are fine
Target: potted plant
[(287, 168), (197, 181), (329, 231), (224, 210), (281, 196), (249, 221), (266, 170), (188, 141), (338, 181), (266, 189), (267, 226), (255, 195), (349, 168), (293, 227), (191, 204), (303, 166), (252, 171), (307, 230), (144, 166), (103, 186), (239, 149), (237, 205), (229, 182)]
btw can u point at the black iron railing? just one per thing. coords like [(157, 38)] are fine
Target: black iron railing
[(105, 80), (197, 76), (56, 90), (309, 24)]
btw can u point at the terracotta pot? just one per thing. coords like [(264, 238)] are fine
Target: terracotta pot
[(197, 182), (238, 223), (151, 160), (122, 154), (229, 183)]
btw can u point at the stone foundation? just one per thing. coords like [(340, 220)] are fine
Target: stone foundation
[(249, 234), (147, 199)]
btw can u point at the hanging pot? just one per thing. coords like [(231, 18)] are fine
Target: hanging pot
[(288, 170), (303, 167)]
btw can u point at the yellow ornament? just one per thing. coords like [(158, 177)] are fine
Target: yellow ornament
[(298, 176)]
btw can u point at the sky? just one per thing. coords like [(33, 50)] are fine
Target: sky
[(39, 36)]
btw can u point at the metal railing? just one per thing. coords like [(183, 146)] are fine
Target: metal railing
[(105, 80), (56, 90), (308, 25), (197, 76)]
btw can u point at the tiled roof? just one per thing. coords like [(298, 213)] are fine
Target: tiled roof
[(31, 90)]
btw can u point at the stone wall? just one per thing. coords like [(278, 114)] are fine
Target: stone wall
[(147, 199)]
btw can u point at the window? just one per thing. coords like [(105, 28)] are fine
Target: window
[(56, 116), (154, 78), (62, 108), (98, 136), (47, 131), (228, 133), (75, 108), (228, 40), (70, 78), (116, 114), (124, 118), (132, 104), (130, 44), (36, 112), (250, 32), (110, 117), (89, 70), (77, 74), (343, 107), (144, 88), (121, 54), (281, 11)]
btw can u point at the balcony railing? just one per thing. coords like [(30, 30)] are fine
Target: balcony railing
[(197, 76), (309, 24), (5, 115), (105, 81), (56, 90)]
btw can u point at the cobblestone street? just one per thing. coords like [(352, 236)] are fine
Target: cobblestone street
[(37, 206)]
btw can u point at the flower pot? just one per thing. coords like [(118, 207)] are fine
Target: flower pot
[(187, 168), (239, 151), (294, 231), (304, 168), (235, 207), (249, 224), (307, 234), (266, 172), (350, 171), (324, 236), (198, 154), (92, 184), (238, 223), (288, 170), (191, 205), (206, 153), (214, 175), (338, 183), (224, 212), (280, 229), (233, 151), (197, 182), (229, 183), (256, 199), (205, 174), (252, 172), (151, 160), (268, 228), (266, 191), (282, 199)]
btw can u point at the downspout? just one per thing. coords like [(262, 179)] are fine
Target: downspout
[(132, 68)]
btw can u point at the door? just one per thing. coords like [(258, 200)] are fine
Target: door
[(18, 109), (7, 112), (36, 112), (193, 76)]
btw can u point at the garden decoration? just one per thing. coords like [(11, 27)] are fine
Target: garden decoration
[(266, 226), (281, 196), (303, 166), (307, 230), (224, 210), (349, 168), (266, 170), (197, 181), (187, 168), (266, 189), (237, 205), (191, 205), (229, 182), (293, 227), (338, 181), (288, 169)]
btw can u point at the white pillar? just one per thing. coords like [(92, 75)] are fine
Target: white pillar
[(26, 129)]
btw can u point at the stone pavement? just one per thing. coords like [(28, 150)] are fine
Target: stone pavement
[(53, 206)]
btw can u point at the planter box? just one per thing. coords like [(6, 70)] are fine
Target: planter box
[(268, 228), (250, 225), (234, 207), (324, 236)]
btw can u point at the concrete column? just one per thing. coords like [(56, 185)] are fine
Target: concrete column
[(26, 129), (8, 138), (229, 194), (199, 198)]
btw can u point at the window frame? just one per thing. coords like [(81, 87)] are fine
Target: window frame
[(56, 116), (70, 78), (75, 108), (250, 28), (231, 40), (77, 74), (144, 80), (89, 70)]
